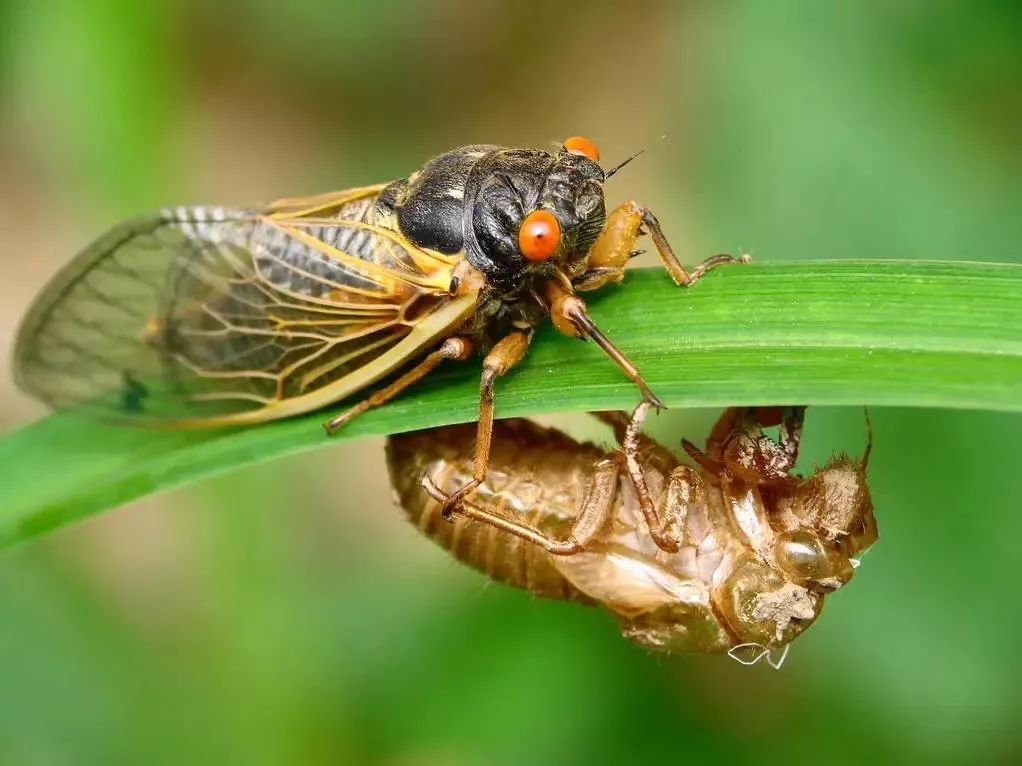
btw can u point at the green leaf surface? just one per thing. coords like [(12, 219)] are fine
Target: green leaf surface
[(925, 334)]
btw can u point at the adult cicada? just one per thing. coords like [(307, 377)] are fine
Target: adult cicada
[(212, 316), (736, 555)]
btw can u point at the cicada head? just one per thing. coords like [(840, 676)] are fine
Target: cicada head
[(531, 211), (830, 522)]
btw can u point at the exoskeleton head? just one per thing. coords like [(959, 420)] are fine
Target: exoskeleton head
[(828, 523)]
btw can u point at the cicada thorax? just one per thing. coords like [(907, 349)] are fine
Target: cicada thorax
[(428, 207), (471, 202)]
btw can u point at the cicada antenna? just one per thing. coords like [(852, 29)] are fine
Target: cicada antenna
[(620, 165), (624, 162)]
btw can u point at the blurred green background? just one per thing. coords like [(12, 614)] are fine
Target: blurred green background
[(288, 614)]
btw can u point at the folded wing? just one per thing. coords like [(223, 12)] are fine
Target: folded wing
[(208, 315)]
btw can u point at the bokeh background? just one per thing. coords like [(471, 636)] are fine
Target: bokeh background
[(288, 614)]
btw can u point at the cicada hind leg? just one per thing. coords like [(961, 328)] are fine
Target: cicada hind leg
[(454, 349)]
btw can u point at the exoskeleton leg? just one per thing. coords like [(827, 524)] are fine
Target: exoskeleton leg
[(685, 487), (616, 244), (651, 453), (592, 516), (738, 445), (639, 451), (664, 525), (684, 484), (457, 348)]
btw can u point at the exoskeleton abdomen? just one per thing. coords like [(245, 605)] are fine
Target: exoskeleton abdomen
[(512, 488), (750, 566)]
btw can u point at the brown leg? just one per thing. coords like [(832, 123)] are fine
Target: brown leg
[(570, 316), (592, 516), (728, 424), (502, 357), (737, 444), (617, 243), (684, 485), (458, 349), (663, 528), (654, 454), (616, 419), (670, 260)]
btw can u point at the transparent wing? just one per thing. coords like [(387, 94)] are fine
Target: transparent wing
[(207, 313)]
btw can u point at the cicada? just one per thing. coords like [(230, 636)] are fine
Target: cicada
[(736, 554), (216, 316)]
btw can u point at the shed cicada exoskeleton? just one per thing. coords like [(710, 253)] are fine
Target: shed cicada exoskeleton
[(734, 556), (213, 316)]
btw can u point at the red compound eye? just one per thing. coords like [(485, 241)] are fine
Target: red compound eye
[(580, 145), (539, 235)]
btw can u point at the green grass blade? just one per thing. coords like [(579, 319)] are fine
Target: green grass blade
[(926, 334)]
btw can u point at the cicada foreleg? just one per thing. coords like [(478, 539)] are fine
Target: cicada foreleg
[(455, 349), (592, 516), (571, 317), (616, 244)]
